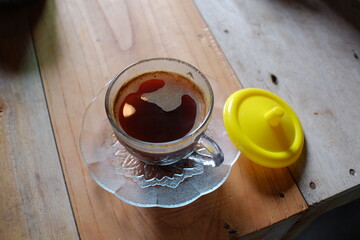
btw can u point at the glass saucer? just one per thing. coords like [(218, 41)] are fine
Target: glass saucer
[(139, 184), (147, 175)]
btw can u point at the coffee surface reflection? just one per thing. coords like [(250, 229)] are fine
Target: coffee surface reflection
[(159, 106)]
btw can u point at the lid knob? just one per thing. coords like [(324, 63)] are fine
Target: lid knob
[(274, 116)]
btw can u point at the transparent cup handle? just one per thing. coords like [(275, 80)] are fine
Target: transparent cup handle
[(209, 154)]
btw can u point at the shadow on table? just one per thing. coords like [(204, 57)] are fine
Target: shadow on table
[(349, 10), (16, 37), (299, 166), (339, 223), (310, 5), (274, 183)]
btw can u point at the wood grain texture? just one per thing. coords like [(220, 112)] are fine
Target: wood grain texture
[(80, 46), (34, 203), (314, 55)]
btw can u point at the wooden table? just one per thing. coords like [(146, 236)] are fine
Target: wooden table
[(56, 55)]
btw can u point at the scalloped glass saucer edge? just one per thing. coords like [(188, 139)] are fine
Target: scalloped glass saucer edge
[(157, 196)]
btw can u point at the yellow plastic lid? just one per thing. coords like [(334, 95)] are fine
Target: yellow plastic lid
[(263, 127)]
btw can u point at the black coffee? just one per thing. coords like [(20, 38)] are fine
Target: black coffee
[(159, 106)]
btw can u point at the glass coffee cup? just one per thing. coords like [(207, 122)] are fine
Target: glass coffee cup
[(183, 97)]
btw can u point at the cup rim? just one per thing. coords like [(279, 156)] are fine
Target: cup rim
[(158, 144)]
